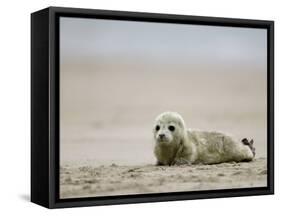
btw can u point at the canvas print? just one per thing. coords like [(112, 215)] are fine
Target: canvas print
[(150, 107)]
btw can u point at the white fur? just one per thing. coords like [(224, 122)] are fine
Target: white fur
[(183, 146)]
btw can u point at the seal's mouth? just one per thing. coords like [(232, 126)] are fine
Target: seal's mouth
[(162, 140)]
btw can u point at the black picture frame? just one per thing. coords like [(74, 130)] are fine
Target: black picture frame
[(45, 106)]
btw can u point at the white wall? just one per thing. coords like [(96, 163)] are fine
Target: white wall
[(15, 106)]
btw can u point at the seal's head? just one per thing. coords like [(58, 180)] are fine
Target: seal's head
[(169, 129)]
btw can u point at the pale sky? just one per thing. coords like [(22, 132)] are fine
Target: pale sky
[(160, 42)]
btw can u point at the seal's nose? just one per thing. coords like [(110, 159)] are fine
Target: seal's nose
[(161, 136)]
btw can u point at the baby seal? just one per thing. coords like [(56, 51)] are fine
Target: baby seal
[(175, 145)]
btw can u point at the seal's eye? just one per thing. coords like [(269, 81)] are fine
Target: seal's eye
[(157, 128), (171, 128)]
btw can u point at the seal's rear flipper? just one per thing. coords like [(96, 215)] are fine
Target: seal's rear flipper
[(250, 144)]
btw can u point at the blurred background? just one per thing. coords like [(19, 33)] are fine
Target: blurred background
[(117, 76)]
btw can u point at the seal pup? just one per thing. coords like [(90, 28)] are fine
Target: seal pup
[(176, 145)]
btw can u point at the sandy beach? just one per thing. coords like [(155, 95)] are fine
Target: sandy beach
[(90, 181), (98, 130)]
